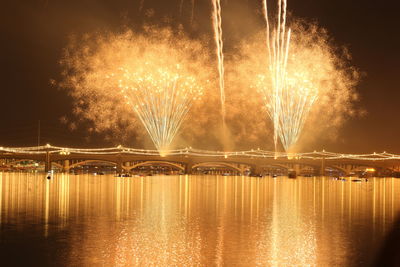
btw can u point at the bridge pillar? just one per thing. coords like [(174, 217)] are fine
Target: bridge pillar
[(348, 169), (126, 165), (322, 170), (297, 168), (189, 168), (47, 162), (120, 165), (66, 165), (242, 169), (256, 170)]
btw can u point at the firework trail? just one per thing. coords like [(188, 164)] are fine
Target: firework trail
[(141, 5), (217, 23), (192, 14), (290, 98), (180, 7), (161, 98)]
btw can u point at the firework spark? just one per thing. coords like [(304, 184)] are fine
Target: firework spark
[(161, 98), (217, 23)]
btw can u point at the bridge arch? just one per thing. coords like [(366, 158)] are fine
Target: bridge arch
[(338, 168), (58, 165), (16, 161), (351, 168), (308, 169), (362, 168), (90, 161), (300, 168), (218, 164), (276, 165), (149, 163)]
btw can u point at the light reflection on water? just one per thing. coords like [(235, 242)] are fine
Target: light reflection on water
[(86, 220)]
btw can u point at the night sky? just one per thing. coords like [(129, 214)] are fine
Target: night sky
[(34, 33)]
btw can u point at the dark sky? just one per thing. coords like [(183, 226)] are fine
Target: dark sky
[(34, 32)]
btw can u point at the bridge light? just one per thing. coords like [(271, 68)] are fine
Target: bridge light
[(48, 145), (226, 156), (369, 169)]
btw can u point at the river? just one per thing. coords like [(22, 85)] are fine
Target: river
[(87, 220)]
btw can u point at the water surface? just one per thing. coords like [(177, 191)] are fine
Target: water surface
[(86, 220)]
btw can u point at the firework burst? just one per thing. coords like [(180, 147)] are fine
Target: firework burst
[(306, 83), (156, 76), (290, 88)]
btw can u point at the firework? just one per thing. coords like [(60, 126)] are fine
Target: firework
[(306, 83), (217, 24), (286, 107), (150, 78), (289, 93)]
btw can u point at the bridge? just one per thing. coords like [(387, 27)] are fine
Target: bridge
[(188, 159)]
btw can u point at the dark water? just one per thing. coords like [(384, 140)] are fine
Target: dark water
[(86, 220)]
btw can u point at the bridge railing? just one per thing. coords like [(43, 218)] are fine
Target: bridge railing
[(189, 151)]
